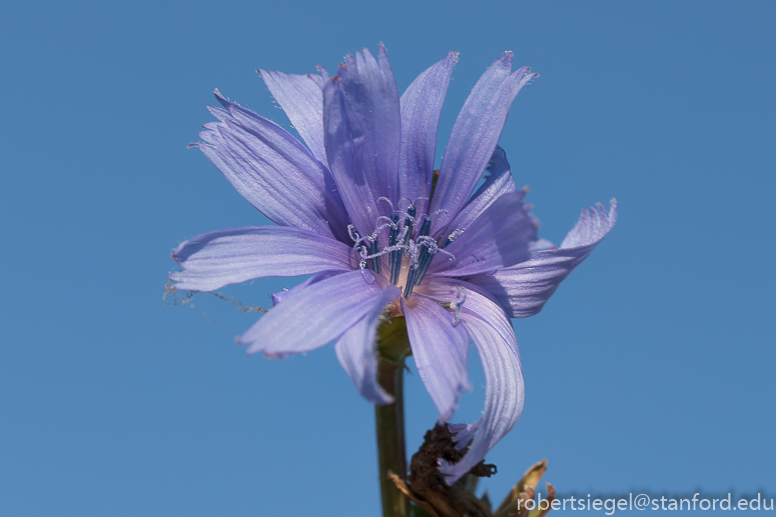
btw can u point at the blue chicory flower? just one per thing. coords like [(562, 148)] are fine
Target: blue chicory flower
[(355, 208)]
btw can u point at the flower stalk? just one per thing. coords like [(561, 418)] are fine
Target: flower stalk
[(389, 423), (393, 347)]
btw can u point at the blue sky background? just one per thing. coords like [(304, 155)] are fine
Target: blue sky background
[(651, 369)]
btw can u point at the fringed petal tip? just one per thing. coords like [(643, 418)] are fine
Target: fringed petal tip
[(174, 288), (524, 288), (593, 225), (228, 107), (254, 348), (474, 136), (173, 277), (324, 73), (209, 135)]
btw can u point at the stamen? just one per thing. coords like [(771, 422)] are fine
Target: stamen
[(410, 283), (432, 249), (361, 250), (390, 224), (380, 228), (425, 262), (456, 305), (353, 233), (413, 203), (453, 235), (413, 273), (404, 214), (413, 252), (408, 200), (390, 204), (394, 230), (420, 250), (429, 217), (440, 211), (426, 227), (375, 252), (409, 222), (367, 277), (382, 252), (358, 247), (395, 257)]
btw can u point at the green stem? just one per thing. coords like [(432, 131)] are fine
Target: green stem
[(389, 422)]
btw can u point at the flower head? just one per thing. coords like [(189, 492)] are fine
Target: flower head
[(361, 208)]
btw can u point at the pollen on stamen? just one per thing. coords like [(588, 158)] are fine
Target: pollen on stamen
[(456, 306), (454, 235)]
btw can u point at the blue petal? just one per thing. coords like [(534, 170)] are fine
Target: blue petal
[(373, 105), (421, 106), (505, 390), (474, 137), (274, 171), (301, 97), (279, 296), (494, 338), (592, 227), (524, 288), (441, 352), (362, 126), (235, 255), (344, 148), (498, 238), (356, 350), (317, 315), (499, 182), (463, 433)]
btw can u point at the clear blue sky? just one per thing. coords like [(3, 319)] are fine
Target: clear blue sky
[(651, 369)]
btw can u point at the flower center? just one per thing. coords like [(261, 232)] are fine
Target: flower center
[(410, 248)]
